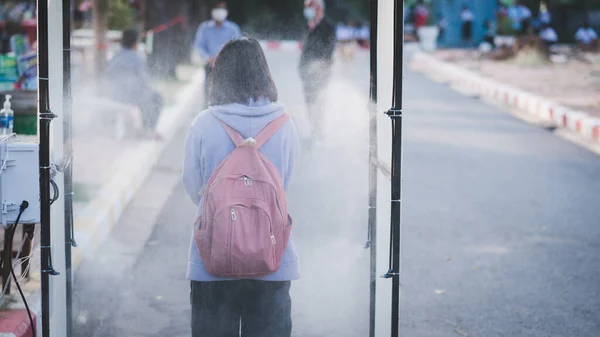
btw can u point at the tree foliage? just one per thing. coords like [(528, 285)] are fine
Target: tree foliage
[(120, 15)]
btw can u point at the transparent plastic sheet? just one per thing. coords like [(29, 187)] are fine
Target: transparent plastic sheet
[(327, 199), (385, 54)]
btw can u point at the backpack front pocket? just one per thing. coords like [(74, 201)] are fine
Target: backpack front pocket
[(252, 247), (220, 252)]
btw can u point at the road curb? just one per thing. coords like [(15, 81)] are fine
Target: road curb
[(549, 111), (95, 222)]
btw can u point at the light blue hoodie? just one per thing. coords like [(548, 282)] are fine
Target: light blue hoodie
[(207, 145)]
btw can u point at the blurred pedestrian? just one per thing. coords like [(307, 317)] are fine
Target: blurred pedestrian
[(548, 35), (466, 19), (442, 26), (544, 17), (316, 58), (211, 36), (364, 35), (345, 37), (520, 16), (127, 81), (489, 32), (586, 37), (243, 101), (421, 15)]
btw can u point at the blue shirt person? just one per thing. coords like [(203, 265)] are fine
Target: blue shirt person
[(211, 36)]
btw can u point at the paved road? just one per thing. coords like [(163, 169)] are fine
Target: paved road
[(501, 229)]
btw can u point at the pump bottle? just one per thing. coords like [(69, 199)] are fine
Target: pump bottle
[(6, 118)]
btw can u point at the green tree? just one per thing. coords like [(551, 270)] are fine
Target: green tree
[(120, 15)]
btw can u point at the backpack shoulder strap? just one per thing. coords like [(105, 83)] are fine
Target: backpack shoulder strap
[(268, 131), (235, 136)]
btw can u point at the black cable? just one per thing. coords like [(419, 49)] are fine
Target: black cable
[(22, 209), (11, 234), (12, 271), (56, 191)]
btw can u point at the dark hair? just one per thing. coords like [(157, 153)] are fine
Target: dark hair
[(240, 73), (219, 4), (129, 39)]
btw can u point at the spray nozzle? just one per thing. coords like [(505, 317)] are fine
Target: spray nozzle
[(7, 101)]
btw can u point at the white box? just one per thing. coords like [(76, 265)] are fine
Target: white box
[(19, 180)]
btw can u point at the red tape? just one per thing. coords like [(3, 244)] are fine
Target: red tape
[(169, 24)]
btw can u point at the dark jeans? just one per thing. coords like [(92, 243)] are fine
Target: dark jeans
[(314, 83), (264, 309), (466, 31), (151, 109)]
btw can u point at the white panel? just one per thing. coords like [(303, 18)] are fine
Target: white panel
[(19, 180), (58, 307), (383, 286), (385, 54)]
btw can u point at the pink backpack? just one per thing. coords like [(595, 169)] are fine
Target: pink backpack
[(244, 226)]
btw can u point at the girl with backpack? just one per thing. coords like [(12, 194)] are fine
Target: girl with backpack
[(240, 155)]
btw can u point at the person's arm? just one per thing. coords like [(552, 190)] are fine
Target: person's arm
[(293, 152), (192, 173), (200, 44), (593, 34), (329, 43)]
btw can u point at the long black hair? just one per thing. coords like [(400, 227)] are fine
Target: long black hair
[(241, 73)]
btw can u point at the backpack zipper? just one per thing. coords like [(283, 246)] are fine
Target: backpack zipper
[(246, 178), (234, 218)]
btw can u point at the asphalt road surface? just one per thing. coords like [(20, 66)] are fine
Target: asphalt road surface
[(501, 226)]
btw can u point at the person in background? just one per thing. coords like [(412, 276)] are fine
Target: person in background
[(489, 31), (520, 16), (364, 35), (586, 37), (502, 9), (545, 18), (211, 36), (316, 59), (466, 18), (244, 97), (548, 35), (421, 14), (442, 26), (345, 37), (127, 81), (10, 29)]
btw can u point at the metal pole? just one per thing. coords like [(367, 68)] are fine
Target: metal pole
[(45, 117), (68, 169), (372, 228), (395, 114)]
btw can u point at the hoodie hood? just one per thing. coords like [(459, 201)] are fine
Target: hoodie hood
[(248, 120)]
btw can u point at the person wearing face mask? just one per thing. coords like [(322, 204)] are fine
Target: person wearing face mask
[(316, 58), (211, 36)]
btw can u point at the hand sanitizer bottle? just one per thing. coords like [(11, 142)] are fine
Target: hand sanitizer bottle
[(6, 118)]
